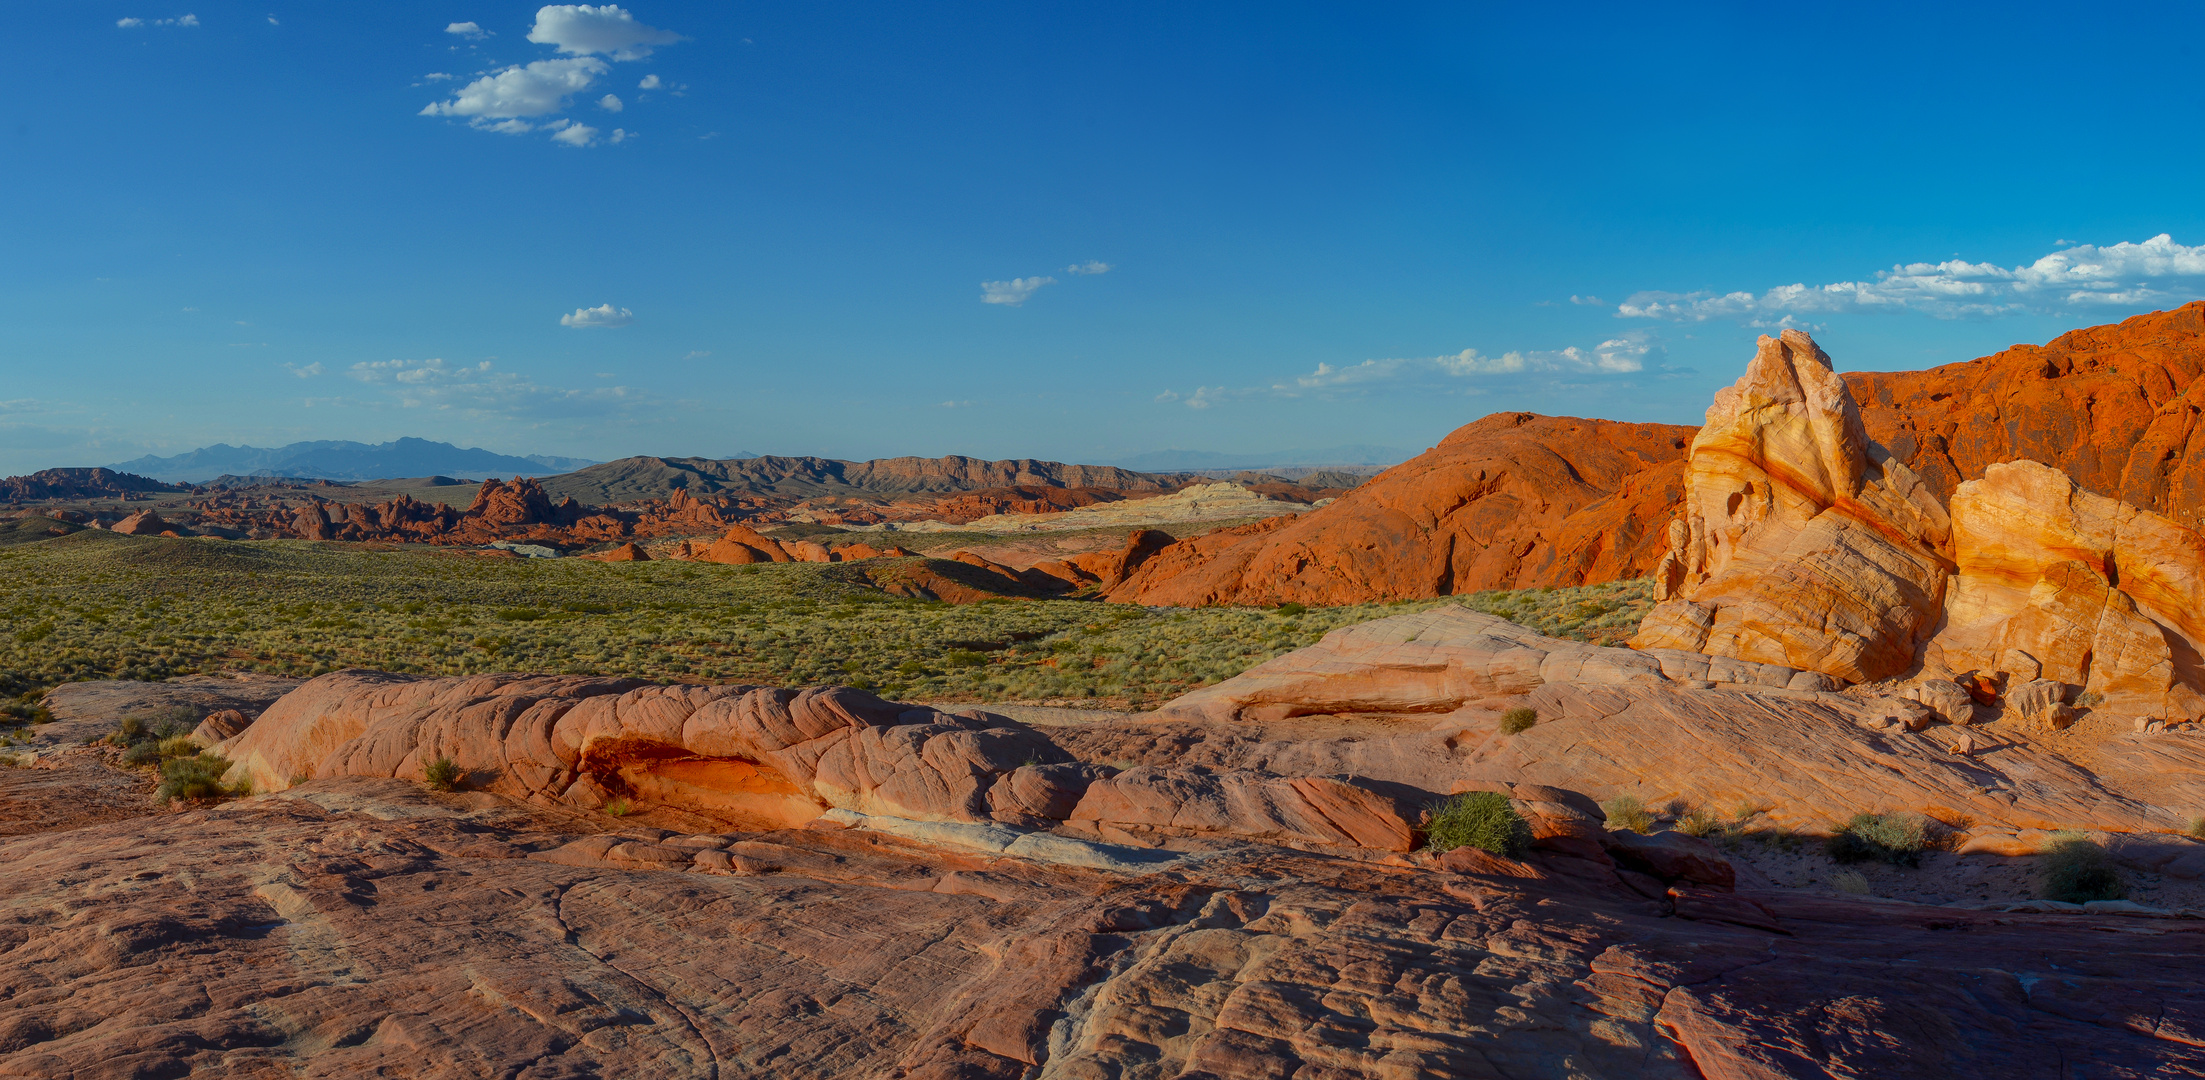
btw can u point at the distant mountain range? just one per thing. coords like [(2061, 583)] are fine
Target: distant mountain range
[(338, 460), (1189, 460), (637, 478)]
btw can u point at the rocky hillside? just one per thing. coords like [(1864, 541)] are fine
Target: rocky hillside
[(640, 478), (1514, 500), (79, 484)]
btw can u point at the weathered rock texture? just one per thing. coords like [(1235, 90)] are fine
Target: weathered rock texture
[(1417, 699), (359, 928), (1514, 500)]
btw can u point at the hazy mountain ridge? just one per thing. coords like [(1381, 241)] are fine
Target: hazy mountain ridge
[(345, 460), (633, 478)]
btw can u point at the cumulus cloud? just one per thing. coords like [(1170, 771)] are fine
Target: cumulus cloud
[(537, 89), (180, 20), (610, 103), (603, 315), (650, 82), (127, 23), (575, 134), (1013, 292), (2157, 271), (479, 389), (583, 30), (1089, 267), (468, 30), (307, 372), (436, 76)]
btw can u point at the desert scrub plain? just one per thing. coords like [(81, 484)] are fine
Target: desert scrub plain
[(93, 605)]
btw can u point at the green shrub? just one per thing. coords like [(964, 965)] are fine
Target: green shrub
[(144, 753), (1518, 720), (1850, 882), (176, 746), (198, 777), (2196, 828), (1701, 821), (443, 774), (1291, 608), (964, 658), (2077, 871), (619, 808), (1895, 838), (1479, 819), (1627, 812)]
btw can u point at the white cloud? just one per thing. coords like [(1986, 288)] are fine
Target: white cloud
[(480, 390), (1616, 356), (603, 315), (956, 405), (581, 29), (307, 372), (435, 76), (1013, 292), (538, 89), (468, 30), (621, 135), (650, 82), (575, 134), (610, 103), (180, 20), (2157, 271), (1089, 267), (272, 21), (128, 23), (698, 354)]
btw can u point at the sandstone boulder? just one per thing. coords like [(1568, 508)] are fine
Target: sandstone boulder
[(1801, 543), (219, 726), (142, 523)]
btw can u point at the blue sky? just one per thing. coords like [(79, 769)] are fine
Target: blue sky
[(1228, 228)]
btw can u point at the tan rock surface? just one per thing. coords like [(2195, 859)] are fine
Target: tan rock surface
[(1801, 543)]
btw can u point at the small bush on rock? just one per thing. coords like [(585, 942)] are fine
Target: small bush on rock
[(1897, 839), (619, 808), (1850, 882), (1700, 821), (443, 774), (198, 777), (1479, 819), (1627, 812), (1518, 720), (2077, 871)]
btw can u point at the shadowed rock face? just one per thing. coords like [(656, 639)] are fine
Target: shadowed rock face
[(1514, 500)]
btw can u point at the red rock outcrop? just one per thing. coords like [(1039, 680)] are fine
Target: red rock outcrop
[(2115, 407), (80, 484), (142, 523), (1514, 500)]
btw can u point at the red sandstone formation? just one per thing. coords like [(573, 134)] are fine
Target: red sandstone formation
[(2115, 407), (1514, 500)]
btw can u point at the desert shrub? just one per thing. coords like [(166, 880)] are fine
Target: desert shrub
[(143, 753), (443, 774), (176, 746), (197, 777), (619, 808), (1627, 812), (1291, 608), (2196, 828), (1894, 838), (2090, 699), (1700, 821), (1850, 882), (2077, 871), (964, 658), (1479, 819), (1518, 720)]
